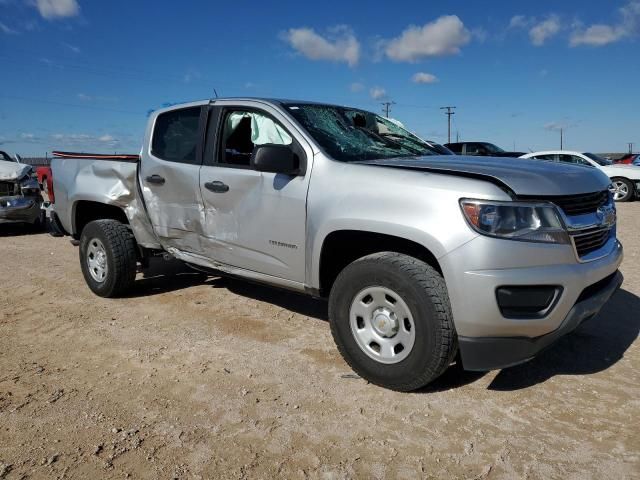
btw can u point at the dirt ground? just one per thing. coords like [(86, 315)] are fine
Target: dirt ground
[(201, 377)]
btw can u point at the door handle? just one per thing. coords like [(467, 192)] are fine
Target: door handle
[(217, 186), (155, 179)]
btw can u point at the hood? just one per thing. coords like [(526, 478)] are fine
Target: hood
[(522, 176), (12, 171)]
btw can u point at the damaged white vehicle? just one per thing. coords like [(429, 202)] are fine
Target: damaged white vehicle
[(19, 192)]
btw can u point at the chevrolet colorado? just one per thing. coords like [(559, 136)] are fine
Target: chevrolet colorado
[(423, 258)]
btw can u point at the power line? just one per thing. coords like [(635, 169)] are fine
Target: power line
[(64, 104), (386, 107), (448, 113)]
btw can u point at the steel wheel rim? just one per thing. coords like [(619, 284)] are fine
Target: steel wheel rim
[(97, 260), (382, 324), (620, 190)]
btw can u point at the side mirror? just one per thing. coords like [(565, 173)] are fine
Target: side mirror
[(275, 159)]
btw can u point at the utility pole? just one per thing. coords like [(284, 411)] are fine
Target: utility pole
[(630, 147), (561, 138), (386, 108), (448, 113)]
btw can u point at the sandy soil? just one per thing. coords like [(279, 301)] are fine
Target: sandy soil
[(201, 377)]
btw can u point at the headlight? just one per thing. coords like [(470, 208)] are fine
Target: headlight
[(529, 222)]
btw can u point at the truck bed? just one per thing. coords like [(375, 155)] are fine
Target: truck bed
[(104, 179)]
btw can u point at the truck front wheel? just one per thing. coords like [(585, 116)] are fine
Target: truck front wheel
[(108, 257), (391, 320)]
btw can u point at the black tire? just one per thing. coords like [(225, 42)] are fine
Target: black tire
[(630, 189), (424, 291), (121, 257)]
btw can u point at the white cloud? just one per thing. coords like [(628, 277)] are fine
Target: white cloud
[(51, 9), (444, 36), (378, 93), (340, 44), (85, 140), (422, 77), (7, 30), (598, 35), (191, 75), (73, 48), (544, 30), (480, 34), (356, 87), (95, 98), (519, 21)]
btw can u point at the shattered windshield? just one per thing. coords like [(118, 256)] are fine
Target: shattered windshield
[(352, 135)]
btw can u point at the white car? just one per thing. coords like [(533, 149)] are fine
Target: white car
[(624, 178)]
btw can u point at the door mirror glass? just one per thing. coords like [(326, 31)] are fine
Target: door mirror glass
[(275, 159)]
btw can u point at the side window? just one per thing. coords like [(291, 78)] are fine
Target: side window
[(550, 157), (175, 135), (473, 149), (243, 130), (572, 159), (580, 161), (455, 148)]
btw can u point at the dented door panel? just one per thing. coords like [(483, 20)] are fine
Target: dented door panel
[(259, 223)]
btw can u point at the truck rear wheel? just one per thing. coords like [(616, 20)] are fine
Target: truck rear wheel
[(391, 320), (108, 257)]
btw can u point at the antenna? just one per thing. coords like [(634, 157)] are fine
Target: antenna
[(215, 93)]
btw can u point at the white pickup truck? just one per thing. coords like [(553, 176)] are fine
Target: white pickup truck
[(424, 258)]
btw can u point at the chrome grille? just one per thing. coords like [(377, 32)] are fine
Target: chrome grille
[(577, 204), (590, 240)]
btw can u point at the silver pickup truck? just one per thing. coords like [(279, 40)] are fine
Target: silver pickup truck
[(424, 258)]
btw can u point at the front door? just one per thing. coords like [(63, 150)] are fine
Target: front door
[(253, 220)]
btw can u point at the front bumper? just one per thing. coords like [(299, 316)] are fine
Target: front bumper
[(19, 210), (488, 353)]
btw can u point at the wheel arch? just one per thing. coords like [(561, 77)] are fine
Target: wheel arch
[(86, 211), (341, 247)]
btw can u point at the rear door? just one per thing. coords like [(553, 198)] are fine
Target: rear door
[(169, 176), (253, 220)]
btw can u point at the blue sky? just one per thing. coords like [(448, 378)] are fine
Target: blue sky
[(82, 75)]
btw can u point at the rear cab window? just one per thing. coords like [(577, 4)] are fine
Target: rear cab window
[(176, 134)]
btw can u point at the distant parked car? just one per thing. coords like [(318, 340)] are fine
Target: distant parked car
[(627, 159), (482, 149), (625, 179)]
